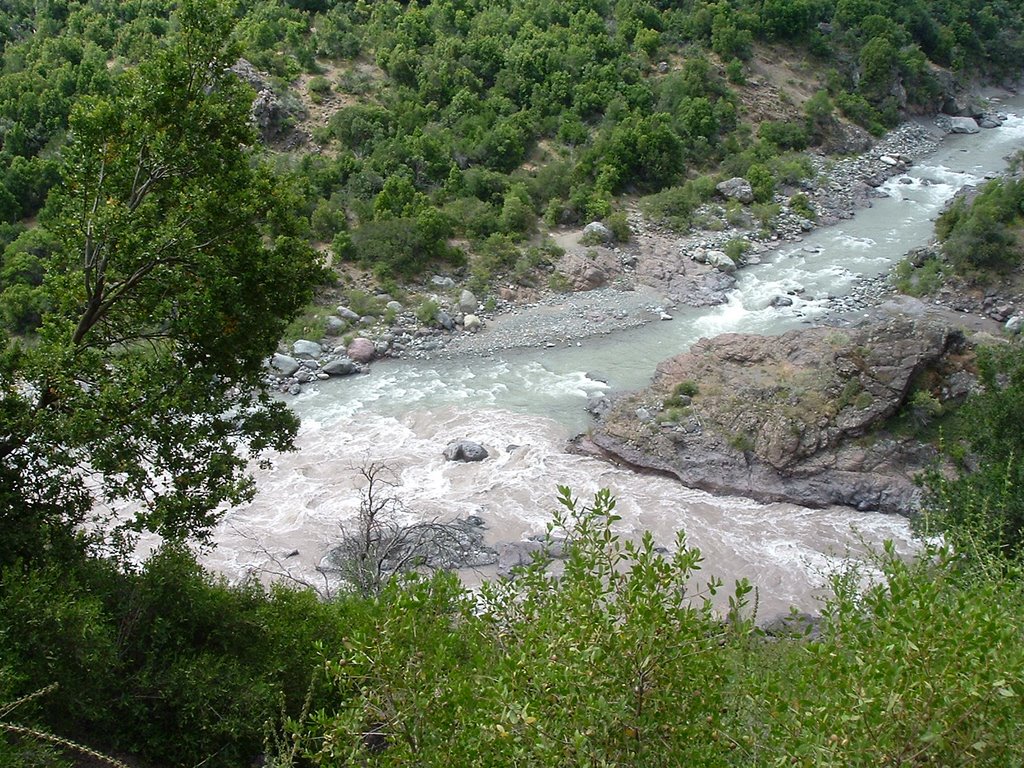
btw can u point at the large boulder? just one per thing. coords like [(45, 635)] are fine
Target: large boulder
[(720, 260), (347, 314), (595, 231), (343, 366), (465, 450), (285, 365), (361, 350), (800, 417), (736, 188), (963, 125), (306, 349), (467, 301)]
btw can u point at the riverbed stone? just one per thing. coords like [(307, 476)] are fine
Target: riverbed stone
[(963, 125), (361, 349), (472, 323), (1014, 324), (467, 301), (286, 365), (343, 366), (720, 260), (335, 326), (304, 348), (347, 314), (465, 450)]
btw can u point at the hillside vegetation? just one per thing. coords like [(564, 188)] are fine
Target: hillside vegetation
[(422, 132)]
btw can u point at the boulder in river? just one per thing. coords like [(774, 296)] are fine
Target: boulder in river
[(799, 417), (465, 450), (343, 366), (963, 125)]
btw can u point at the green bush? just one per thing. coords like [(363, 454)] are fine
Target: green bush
[(618, 223), (800, 204), (427, 311), (762, 181), (674, 207), (735, 249)]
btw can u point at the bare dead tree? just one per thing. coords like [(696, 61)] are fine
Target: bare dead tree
[(378, 546)]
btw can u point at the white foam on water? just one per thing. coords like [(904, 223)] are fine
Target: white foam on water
[(306, 499)]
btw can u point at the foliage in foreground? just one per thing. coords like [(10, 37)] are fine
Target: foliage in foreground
[(612, 654), (172, 267), (613, 658)]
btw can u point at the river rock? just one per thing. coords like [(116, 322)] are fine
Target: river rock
[(780, 301), (465, 450), (799, 417), (343, 366), (720, 260), (1014, 324), (595, 230), (335, 326), (736, 188), (467, 301), (472, 323), (304, 348), (361, 349), (284, 364), (347, 314), (963, 125), (445, 320)]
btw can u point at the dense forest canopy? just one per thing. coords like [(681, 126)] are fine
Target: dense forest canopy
[(427, 120)]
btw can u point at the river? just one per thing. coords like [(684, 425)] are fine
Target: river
[(405, 412)]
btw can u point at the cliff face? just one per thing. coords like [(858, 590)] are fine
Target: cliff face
[(803, 417)]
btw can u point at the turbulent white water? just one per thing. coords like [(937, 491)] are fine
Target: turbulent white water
[(404, 413)]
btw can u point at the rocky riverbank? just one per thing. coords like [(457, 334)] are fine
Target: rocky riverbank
[(614, 286)]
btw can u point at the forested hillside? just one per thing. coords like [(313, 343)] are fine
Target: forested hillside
[(432, 130), (156, 240)]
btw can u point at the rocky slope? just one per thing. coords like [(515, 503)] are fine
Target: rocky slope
[(805, 417)]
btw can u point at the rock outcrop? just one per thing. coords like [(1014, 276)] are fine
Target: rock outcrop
[(801, 417)]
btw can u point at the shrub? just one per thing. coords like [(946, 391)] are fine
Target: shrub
[(618, 223), (800, 204), (427, 311), (735, 249), (762, 181), (783, 135)]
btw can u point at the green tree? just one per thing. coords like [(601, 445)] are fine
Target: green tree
[(176, 271), (982, 509)]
